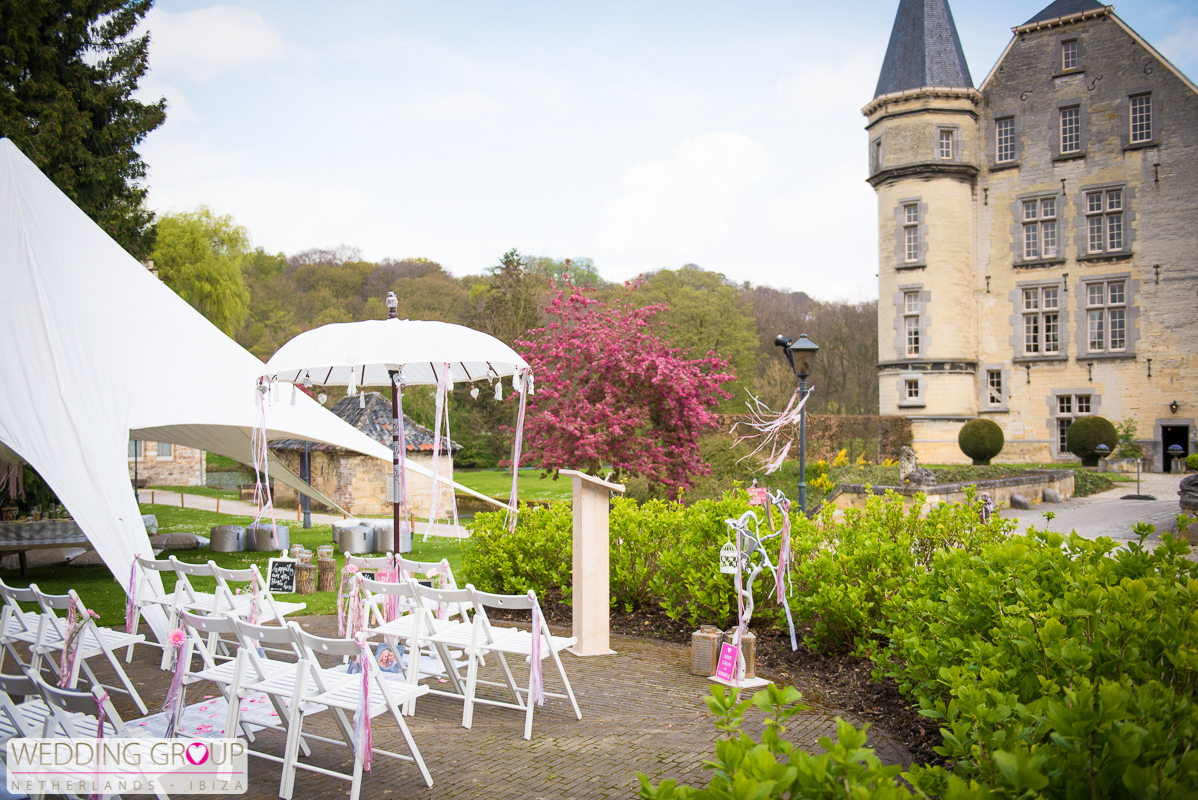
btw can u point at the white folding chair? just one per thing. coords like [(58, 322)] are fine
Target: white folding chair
[(521, 643), (182, 596), (92, 641), (214, 603), (341, 694), (269, 609), (438, 574), (20, 627), (75, 715), (21, 719)]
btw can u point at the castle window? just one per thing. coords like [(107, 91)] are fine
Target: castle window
[(1141, 118), (1039, 228), (911, 309), (1106, 316), (166, 451), (875, 155), (911, 232), (994, 386), (135, 448), (1005, 133), (1041, 320), (1071, 130), (944, 147), (912, 389), (1069, 55), (1069, 408), (1104, 220)]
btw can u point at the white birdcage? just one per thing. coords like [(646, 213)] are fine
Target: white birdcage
[(729, 559)]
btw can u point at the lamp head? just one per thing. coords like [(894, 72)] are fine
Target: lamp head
[(804, 352), (1173, 407), (784, 343), (392, 305)]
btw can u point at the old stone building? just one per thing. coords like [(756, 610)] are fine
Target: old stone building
[(1038, 234), (359, 483), (165, 464)]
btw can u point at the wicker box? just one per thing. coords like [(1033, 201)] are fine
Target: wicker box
[(705, 650)]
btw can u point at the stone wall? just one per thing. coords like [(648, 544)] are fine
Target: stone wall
[(359, 483), (183, 467), (1031, 486)]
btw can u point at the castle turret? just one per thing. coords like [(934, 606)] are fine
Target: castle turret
[(923, 163)]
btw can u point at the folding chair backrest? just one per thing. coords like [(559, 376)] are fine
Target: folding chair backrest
[(319, 645), (375, 594), (17, 685), (250, 637), (57, 602), (373, 564), (158, 565), (419, 570), (64, 702), (402, 589), (12, 687), (13, 596), (204, 624), (185, 572), (510, 602)]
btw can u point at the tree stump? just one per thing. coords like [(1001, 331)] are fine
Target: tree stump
[(305, 578), (328, 575)]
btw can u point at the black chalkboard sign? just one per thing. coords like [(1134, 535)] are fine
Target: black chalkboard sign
[(366, 573), (280, 576)]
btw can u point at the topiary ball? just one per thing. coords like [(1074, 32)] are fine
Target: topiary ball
[(1086, 433), (981, 440)]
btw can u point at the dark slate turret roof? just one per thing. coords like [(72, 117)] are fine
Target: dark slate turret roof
[(375, 421), (1063, 8), (924, 49)]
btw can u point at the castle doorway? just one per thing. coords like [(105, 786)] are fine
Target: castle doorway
[(1171, 435)]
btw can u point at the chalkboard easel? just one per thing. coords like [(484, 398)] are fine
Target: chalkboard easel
[(280, 575)]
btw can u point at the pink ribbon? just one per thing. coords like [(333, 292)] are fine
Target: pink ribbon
[(363, 744), (131, 602), (70, 646), (390, 575), (349, 569), (174, 695), (536, 684)]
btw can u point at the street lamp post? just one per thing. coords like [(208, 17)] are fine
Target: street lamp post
[(801, 355)]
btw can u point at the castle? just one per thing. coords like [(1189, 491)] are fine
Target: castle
[(1037, 234)]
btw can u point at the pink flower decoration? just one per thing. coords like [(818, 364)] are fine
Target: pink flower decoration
[(177, 637), (351, 569)]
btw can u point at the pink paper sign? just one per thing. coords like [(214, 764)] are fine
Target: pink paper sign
[(758, 495), (726, 670)]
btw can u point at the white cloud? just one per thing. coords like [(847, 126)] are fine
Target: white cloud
[(676, 206), (202, 44), (844, 86), (460, 103)]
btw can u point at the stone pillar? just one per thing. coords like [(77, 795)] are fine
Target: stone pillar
[(592, 580)]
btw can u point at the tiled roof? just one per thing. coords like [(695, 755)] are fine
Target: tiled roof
[(1063, 8), (924, 50), (375, 421)]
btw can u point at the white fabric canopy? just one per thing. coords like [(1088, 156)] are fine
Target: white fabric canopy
[(97, 350), (363, 353)]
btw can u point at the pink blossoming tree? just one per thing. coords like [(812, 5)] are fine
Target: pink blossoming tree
[(612, 392)]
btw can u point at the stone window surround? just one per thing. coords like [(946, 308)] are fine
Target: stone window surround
[(877, 154), (1017, 228), (1081, 220), (992, 141), (1054, 415), (900, 331), (1083, 129), (956, 131), (1058, 53), (900, 240), (1125, 117), (912, 402), (984, 371), (1016, 320), (1130, 289)]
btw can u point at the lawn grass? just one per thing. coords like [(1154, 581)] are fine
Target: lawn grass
[(106, 596), (498, 484), (215, 463)]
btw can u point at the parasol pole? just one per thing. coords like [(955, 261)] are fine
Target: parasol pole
[(396, 455)]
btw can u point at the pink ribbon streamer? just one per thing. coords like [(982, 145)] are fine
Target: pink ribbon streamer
[(770, 427), (441, 581), (174, 695), (441, 410), (536, 684), (363, 744), (404, 513), (391, 575), (261, 458), (70, 647), (131, 601), (513, 505)]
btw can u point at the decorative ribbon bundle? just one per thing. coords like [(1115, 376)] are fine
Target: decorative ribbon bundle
[(363, 744), (131, 599), (176, 692), (70, 647), (536, 685)]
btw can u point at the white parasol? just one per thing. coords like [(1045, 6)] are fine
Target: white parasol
[(399, 352)]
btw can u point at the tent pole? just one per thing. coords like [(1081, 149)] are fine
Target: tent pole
[(395, 466)]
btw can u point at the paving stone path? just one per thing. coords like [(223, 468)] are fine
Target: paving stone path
[(642, 712)]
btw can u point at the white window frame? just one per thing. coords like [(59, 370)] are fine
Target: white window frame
[(1004, 140), (1104, 212), (946, 144), (1068, 55), (1041, 227), (994, 389), (911, 243), (1139, 115), (1071, 130), (169, 455), (912, 338), (1106, 316), (911, 388), (1041, 310), (1068, 408)]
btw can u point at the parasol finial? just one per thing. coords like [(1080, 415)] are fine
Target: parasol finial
[(392, 305)]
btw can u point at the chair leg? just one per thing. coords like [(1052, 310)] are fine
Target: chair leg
[(569, 689), (116, 665), (414, 750), (295, 724), (531, 705), (471, 685)]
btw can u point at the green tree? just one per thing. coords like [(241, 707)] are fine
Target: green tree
[(199, 255), (508, 302), (68, 73)]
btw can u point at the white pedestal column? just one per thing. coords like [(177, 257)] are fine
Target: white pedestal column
[(592, 579)]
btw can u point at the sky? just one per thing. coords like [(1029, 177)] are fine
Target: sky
[(641, 134)]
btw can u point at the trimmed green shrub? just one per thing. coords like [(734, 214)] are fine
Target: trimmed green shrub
[(743, 768), (1192, 461), (981, 440), (1086, 433)]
